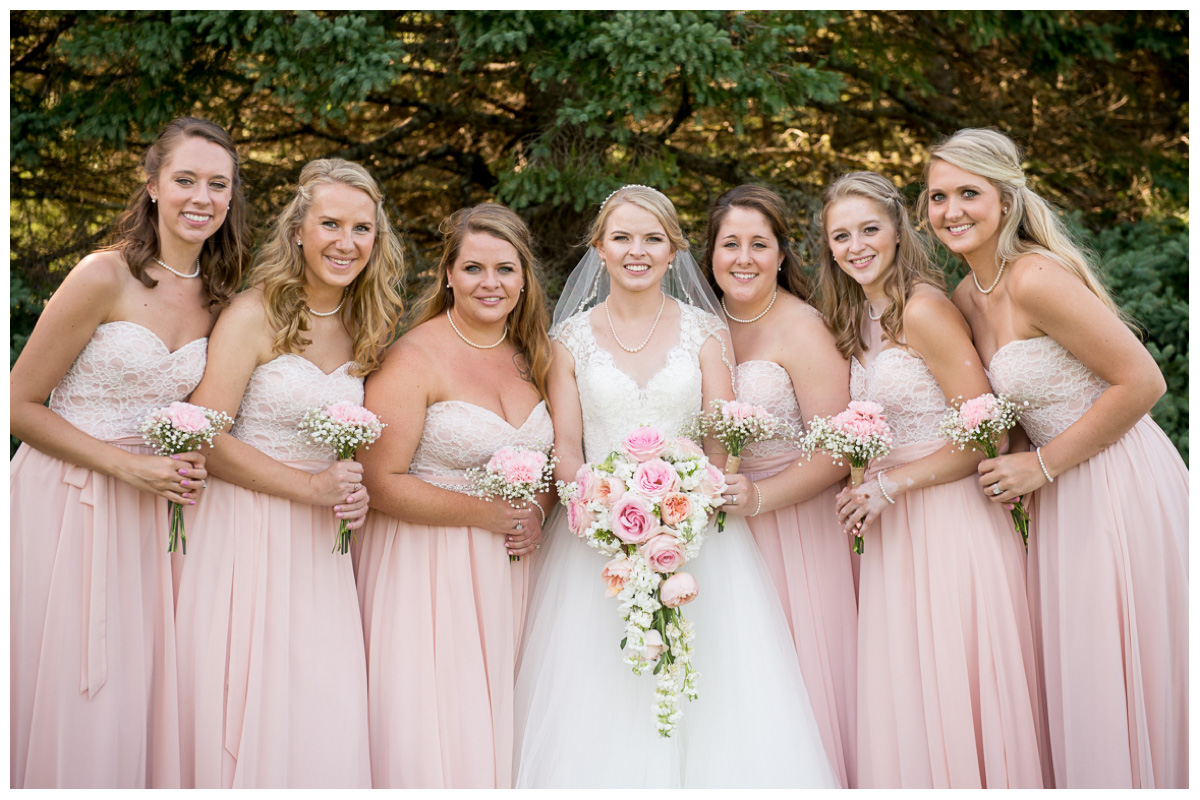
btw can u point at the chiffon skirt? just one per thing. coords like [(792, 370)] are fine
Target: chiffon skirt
[(947, 684), (272, 672), (808, 556), (93, 699), (442, 609), (1109, 587), (584, 720)]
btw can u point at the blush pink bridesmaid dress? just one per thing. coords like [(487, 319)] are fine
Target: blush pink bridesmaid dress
[(272, 671), (808, 556), (443, 609), (1108, 584), (93, 699)]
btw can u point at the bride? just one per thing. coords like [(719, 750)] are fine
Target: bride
[(636, 344)]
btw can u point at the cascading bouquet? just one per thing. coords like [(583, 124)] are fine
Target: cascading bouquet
[(647, 505), (514, 474), (735, 425), (981, 423), (859, 435), (345, 427), (181, 428)]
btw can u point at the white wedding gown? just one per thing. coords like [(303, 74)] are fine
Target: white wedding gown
[(583, 719)]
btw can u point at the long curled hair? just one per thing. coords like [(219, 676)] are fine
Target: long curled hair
[(528, 320), (766, 202), (373, 305), (1032, 224), (224, 254), (842, 299), (648, 199)]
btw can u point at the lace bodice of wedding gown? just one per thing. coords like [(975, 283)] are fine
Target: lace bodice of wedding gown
[(460, 435), (768, 385), (122, 374), (901, 383), (279, 394), (1057, 386), (612, 402)]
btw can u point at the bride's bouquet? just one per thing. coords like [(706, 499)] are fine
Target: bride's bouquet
[(647, 505), (981, 423), (181, 428), (345, 427), (514, 474), (858, 435)]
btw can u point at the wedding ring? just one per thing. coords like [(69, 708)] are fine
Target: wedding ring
[(519, 526), (996, 489), (537, 547), (357, 486), (203, 484)]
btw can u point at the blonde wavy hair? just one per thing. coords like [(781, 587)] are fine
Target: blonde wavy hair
[(374, 304), (646, 198), (528, 321), (842, 300), (1032, 224)]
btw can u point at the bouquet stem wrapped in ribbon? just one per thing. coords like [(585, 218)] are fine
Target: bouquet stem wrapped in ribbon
[(514, 474), (181, 428), (345, 427)]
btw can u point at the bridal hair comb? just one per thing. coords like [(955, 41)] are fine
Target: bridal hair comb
[(627, 186)]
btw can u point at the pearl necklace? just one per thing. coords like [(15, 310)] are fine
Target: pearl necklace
[(752, 319), (329, 313), (503, 336), (988, 290), (646, 341), (168, 268), (871, 316)]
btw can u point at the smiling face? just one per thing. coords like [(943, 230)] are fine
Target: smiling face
[(486, 278), (965, 210), (863, 239), (192, 191), (337, 235), (635, 248), (746, 256)]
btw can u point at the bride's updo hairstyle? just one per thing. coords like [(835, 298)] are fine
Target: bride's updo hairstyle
[(766, 202), (646, 198), (1032, 224), (841, 298), (372, 305), (528, 320)]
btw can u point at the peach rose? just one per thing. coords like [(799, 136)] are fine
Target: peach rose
[(676, 508), (653, 645), (615, 574), (579, 516), (678, 590), (609, 490), (663, 553)]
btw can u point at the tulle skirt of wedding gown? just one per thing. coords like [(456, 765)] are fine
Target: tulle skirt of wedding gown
[(584, 720)]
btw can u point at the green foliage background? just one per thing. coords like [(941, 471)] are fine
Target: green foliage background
[(550, 111)]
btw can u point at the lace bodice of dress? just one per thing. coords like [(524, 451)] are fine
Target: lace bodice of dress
[(768, 385), (279, 394), (901, 383), (1057, 386), (459, 435), (123, 373), (612, 402)]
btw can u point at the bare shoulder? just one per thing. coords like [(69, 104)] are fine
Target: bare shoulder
[(928, 314), (100, 276), (1037, 279)]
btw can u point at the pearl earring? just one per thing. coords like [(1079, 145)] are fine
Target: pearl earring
[(299, 243), (153, 199), (1005, 209)]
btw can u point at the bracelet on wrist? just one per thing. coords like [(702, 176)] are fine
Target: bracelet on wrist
[(538, 506), (886, 496), (758, 492), (1045, 471)]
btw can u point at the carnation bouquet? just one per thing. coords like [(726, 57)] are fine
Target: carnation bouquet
[(345, 427), (647, 505), (981, 423), (735, 425), (858, 435), (514, 474), (181, 428)]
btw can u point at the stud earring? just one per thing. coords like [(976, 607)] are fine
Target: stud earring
[(153, 199), (299, 243)]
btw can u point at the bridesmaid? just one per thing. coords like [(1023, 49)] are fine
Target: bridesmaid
[(1108, 557), (273, 684), (442, 603), (93, 686), (946, 678), (765, 297)]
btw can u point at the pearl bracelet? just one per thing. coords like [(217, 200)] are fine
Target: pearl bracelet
[(1045, 471), (538, 506), (886, 496), (758, 492)]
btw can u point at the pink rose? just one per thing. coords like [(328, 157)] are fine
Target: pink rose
[(645, 443), (663, 553), (579, 516), (348, 412), (186, 417), (676, 508), (686, 448), (740, 411), (655, 478), (632, 519), (712, 482), (616, 574), (585, 479), (609, 490), (678, 590), (653, 645)]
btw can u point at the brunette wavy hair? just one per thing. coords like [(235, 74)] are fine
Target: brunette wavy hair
[(224, 254), (766, 202), (373, 305), (528, 321), (841, 298)]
